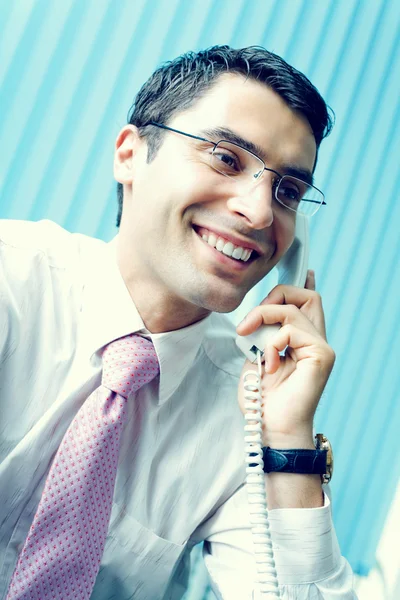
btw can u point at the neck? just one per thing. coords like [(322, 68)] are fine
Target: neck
[(161, 310)]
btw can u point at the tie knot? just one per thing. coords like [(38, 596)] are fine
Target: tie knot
[(128, 364)]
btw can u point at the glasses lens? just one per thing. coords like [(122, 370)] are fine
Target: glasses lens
[(298, 195), (236, 162)]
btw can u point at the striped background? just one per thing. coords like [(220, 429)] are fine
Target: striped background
[(69, 70)]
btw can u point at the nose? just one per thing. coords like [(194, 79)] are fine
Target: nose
[(255, 203)]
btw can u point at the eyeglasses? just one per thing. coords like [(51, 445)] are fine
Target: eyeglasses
[(234, 161)]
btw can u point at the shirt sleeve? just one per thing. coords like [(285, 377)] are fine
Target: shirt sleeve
[(306, 553)]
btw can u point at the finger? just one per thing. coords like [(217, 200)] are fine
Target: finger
[(290, 294), (276, 313), (303, 345), (310, 281), (307, 300)]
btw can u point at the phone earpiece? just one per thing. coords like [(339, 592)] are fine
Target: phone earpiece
[(292, 270)]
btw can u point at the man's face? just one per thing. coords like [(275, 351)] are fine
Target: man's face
[(170, 203)]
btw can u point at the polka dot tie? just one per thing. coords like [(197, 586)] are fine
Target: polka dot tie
[(62, 553)]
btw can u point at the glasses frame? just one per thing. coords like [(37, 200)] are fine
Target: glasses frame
[(256, 177)]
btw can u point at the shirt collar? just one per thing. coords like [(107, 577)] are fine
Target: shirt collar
[(108, 313)]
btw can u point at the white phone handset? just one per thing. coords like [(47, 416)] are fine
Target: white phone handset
[(292, 269)]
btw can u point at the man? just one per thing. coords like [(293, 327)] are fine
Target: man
[(212, 168)]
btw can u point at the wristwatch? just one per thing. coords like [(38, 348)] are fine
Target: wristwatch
[(318, 461)]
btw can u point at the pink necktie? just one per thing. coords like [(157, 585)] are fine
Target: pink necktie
[(62, 553)]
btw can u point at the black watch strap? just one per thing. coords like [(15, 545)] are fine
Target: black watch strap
[(295, 461)]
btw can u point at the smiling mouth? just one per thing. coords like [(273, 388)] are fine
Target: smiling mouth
[(239, 254)]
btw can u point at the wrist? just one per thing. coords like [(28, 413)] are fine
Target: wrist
[(304, 440)]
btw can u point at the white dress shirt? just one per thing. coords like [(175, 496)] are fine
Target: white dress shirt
[(181, 470)]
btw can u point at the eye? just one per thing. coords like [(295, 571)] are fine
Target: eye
[(289, 192), (226, 161)]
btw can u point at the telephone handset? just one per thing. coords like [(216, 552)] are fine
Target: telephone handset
[(292, 270)]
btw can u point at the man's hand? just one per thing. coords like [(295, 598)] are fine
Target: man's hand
[(292, 384)]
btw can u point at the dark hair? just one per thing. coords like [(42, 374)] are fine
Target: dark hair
[(177, 84)]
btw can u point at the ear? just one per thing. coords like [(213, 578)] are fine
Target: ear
[(126, 148)]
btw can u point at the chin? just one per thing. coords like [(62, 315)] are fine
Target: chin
[(219, 303), (224, 307)]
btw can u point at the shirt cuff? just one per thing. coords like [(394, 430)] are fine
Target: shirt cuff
[(306, 549)]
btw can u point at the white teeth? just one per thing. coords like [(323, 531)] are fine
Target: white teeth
[(212, 240), (238, 253), (228, 249), (220, 244)]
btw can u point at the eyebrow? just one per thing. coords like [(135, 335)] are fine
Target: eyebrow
[(223, 133), (300, 173)]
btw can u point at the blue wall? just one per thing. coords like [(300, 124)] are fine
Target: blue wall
[(69, 71)]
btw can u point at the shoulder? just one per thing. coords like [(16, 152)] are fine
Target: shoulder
[(41, 262), (220, 347), (43, 269), (45, 239)]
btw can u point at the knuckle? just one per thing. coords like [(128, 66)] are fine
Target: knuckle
[(315, 296), (333, 354), (292, 309), (330, 354), (287, 329)]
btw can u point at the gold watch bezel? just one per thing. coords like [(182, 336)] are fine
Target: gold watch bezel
[(322, 443)]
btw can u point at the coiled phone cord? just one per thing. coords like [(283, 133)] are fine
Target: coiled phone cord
[(266, 573)]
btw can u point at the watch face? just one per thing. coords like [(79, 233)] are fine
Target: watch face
[(322, 443)]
